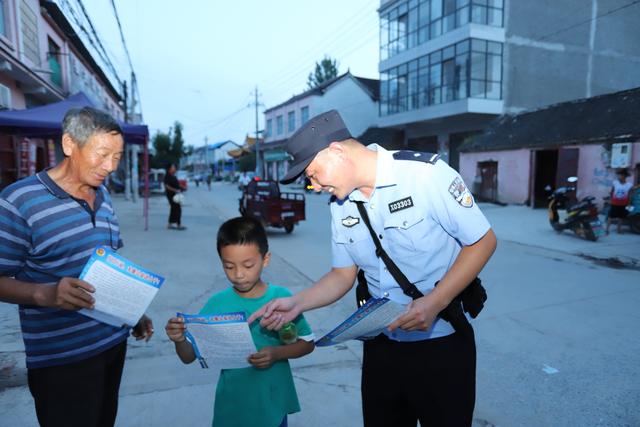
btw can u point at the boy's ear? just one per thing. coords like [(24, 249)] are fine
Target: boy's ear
[(266, 259)]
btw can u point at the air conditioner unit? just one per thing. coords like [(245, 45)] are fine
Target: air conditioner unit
[(5, 97)]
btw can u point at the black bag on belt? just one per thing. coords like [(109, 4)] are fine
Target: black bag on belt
[(471, 299)]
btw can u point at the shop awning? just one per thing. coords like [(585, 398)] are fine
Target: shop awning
[(46, 121)]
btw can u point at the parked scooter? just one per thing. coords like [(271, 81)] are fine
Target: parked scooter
[(581, 217)]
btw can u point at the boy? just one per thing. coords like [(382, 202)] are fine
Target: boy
[(261, 395)]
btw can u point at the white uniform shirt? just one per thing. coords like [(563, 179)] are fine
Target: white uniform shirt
[(424, 213)]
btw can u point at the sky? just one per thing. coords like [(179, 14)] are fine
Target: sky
[(199, 61)]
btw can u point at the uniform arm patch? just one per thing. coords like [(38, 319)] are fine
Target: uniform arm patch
[(461, 193)]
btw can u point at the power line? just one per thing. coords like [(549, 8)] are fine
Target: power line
[(124, 43), (352, 24), (101, 53), (586, 21)]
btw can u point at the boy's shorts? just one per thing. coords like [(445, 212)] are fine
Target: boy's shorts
[(618, 212)]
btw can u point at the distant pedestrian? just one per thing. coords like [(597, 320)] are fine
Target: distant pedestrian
[(244, 180), (50, 224), (209, 181), (172, 189), (263, 394), (620, 196)]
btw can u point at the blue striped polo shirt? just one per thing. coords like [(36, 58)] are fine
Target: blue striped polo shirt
[(45, 235)]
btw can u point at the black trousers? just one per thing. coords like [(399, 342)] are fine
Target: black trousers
[(175, 212), (80, 394), (433, 381)]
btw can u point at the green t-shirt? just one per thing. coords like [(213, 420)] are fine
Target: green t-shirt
[(251, 396)]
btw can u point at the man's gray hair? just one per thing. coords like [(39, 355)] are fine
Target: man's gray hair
[(81, 123)]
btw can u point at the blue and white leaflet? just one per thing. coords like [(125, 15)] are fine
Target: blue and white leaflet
[(368, 321), (221, 341), (123, 290)]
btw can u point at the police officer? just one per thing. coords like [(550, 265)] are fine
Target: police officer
[(428, 223)]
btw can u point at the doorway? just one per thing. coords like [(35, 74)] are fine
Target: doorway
[(488, 189), (427, 144), (545, 176)]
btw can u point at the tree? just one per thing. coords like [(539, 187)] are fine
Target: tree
[(247, 163), (169, 147), (325, 70)]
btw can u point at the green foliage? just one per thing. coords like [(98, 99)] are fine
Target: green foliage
[(325, 70), (169, 147), (246, 163)]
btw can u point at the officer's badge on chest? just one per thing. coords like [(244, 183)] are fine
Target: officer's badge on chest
[(461, 193), (350, 221)]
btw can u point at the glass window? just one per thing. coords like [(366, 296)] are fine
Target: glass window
[(436, 9), (462, 16), (3, 25), (471, 68), (494, 17), (279, 125), (494, 68), (479, 45), (291, 121), (269, 127), (479, 14), (478, 66), (304, 115)]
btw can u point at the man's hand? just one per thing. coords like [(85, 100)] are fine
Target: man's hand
[(144, 329), (420, 315), (276, 313), (175, 329), (70, 294), (263, 359)]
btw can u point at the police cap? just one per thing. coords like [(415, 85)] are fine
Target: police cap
[(313, 137)]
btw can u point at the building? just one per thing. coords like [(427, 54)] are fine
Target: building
[(42, 60), (519, 156), (212, 158), (449, 67), (356, 99)]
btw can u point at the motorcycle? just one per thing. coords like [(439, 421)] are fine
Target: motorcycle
[(581, 217)]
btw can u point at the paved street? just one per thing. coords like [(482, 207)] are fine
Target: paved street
[(557, 342)]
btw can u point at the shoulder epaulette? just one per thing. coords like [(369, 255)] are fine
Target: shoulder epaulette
[(416, 156)]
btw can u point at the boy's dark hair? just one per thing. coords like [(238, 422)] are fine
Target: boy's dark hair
[(243, 231)]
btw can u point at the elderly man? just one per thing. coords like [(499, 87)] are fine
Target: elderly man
[(50, 223), (407, 220)]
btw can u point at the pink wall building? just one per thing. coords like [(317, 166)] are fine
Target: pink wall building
[(519, 156)]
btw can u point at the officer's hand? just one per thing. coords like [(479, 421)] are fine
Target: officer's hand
[(175, 329), (276, 313), (71, 294), (420, 315)]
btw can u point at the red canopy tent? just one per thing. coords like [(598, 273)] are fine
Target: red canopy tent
[(46, 122)]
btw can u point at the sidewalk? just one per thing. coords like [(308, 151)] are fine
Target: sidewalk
[(526, 226)]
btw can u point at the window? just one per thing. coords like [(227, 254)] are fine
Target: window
[(29, 26), (291, 121), (269, 127), (470, 68), (279, 125), (414, 22), (304, 115), (3, 24), (53, 58)]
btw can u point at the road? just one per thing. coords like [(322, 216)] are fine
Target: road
[(557, 342)]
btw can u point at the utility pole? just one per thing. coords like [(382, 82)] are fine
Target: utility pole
[(206, 155), (127, 163), (260, 171)]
